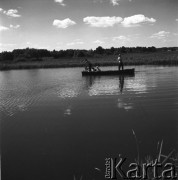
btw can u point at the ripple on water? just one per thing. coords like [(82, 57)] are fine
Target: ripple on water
[(19, 102), (19, 90)]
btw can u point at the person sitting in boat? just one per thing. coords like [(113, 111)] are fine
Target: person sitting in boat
[(89, 67), (121, 64)]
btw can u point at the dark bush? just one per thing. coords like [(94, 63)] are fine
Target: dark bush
[(6, 56)]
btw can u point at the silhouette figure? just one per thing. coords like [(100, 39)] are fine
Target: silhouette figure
[(88, 65), (121, 64)]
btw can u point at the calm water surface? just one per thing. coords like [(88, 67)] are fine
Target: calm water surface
[(56, 124)]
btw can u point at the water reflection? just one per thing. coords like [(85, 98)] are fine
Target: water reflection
[(104, 85), (121, 104), (121, 83), (68, 92), (90, 80), (68, 111), (137, 85), (113, 85), (143, 82)]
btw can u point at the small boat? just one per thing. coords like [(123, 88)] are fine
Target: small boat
[(107, 73)]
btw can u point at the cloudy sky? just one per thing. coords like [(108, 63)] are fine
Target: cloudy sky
[(87, 24)]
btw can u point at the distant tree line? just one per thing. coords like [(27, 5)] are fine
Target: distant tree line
[(37, 54)]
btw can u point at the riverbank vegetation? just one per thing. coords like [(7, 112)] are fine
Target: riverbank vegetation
[(42, 58)]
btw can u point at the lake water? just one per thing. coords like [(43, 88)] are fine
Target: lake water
[(56, 124)]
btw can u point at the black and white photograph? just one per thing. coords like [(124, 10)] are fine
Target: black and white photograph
[(88, 89)]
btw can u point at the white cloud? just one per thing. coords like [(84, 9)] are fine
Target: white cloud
[(176, 19), (98, 42), (121, 38), (12, 13), (1, 10), (7, 45), (114, 2), (3, 28), (63, 23), (136, 20), (61, 2), (71, 43), (102, 21), (14, 26), (75, 42), (107, 21), (160, 35)]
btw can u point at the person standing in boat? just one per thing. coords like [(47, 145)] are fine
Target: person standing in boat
[(121, 64)]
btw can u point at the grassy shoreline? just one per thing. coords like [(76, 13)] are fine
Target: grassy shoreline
[(166, 58)]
